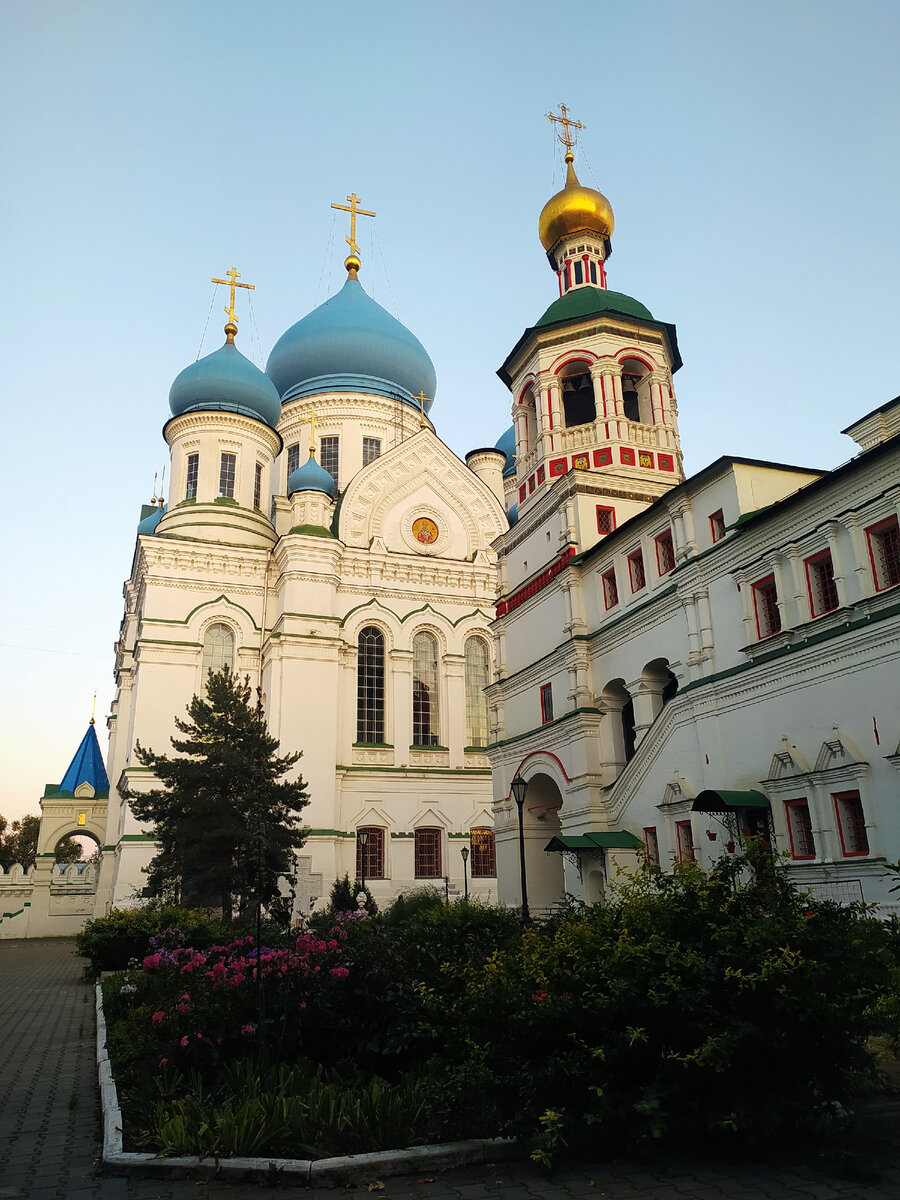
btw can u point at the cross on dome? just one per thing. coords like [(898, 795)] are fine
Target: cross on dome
[(233, 276), (568, 139), (352, 207)]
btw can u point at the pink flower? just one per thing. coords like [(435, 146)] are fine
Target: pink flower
[(151, 962), (248, 1030), (218, 972), (339, 972), (199, 1037), (184, 1040), (163, 1062), (158, 1018), (184, 1005)]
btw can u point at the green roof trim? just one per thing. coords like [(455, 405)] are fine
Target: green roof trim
[(711, 801), (586, 301), (614, 839), (312, 531)]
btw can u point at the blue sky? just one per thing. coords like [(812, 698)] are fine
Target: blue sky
[(749, 153)]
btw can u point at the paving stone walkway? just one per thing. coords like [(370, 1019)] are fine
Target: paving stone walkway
[(50, 1126)]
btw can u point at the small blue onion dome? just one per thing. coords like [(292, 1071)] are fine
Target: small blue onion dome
[(507, 443), (311, 478), (512, 514), (350, 342), (150, 522), (226, 381)]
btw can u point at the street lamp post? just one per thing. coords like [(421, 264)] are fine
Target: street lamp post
[(362, 837), (464, 851), (519, 787)]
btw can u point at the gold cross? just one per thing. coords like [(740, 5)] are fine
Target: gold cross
[(567, 138), (421, 399), (312, 432), (233, 276), (352, 202)]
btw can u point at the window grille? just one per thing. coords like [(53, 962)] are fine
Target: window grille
[(426, 705), (685, 841), (293, 460), (765, 600), (546, 703), (717, 526), (218, 650), (800, 829), (227, 472), (665, 553), (483, 863), (823, 594), (851, 824), (371, 450), (477, 666), (328, 451), (636, 571), (257, 486), (428, 854), (610, 589), (193, 473), (370, 856), (651, 844), (370, 686), (884, 550), (606, 519)]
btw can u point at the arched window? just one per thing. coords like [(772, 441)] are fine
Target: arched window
[(637, 403), (370, 685), (526, 424), (427, 857), (426, 706), (218, 650), (477, 662), (484, 854), (578, 395)]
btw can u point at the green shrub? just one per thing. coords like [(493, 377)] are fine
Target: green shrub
[(109, 943)]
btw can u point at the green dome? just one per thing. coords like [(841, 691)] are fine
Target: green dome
[(586, 301)]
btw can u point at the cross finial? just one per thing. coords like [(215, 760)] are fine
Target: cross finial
[(94, 706), (352, 207), (233, 276), (312, 432), (566, 137), (421, 399)]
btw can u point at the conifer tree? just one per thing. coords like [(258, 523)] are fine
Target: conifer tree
[(225, 821)]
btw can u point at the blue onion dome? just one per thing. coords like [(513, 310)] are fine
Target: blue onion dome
[(507, 443), (350, 342), (512, 514), (150, 522), (226, 381), (311, 478)]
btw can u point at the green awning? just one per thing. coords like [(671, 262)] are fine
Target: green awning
[(613, 840), (727, 801)]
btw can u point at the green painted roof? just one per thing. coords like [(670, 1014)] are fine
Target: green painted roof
[(586, 301), (720, 800), (614, 839)]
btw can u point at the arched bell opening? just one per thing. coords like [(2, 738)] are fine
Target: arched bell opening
[(577, 389), (636, 401)]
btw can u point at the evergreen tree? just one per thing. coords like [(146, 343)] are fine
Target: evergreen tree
[(225, 821)]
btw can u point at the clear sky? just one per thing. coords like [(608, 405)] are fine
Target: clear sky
[(749, 152)]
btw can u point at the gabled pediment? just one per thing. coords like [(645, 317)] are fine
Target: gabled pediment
[(787, 762), (837, 751)]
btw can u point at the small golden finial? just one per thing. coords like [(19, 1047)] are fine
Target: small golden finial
[(351, 262), (233, 276), (566, 137), (312, 433), (154, 497), (94, 706), (421, 399)]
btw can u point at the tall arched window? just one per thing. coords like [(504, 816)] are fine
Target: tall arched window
[(426, 707), (477, 662), (218, 650), (370, 685)]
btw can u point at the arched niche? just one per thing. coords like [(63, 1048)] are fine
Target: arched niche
[(636, 400), (577, 394)]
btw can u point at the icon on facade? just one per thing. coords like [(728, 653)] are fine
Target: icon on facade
[(425, 530)]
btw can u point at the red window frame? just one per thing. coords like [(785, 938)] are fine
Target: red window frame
[(636, 572), (856, 823), (374, 851), (605, 516), (427, 853), (684, 834), (803, 846), (886, 565), (820, 583), (665, 553), (765, 590), (483, 863), (717, 525), (546, 703), (610, 588), (651, 844)]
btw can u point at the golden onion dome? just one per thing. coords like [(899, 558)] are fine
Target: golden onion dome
[(573, 210)]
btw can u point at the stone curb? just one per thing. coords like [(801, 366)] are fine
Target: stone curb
[(323, 1172)]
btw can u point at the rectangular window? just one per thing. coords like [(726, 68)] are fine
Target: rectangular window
[(884, 551), (257, 486), (823, 596), (765, 601), (717, 525), (293, 461), (329, 457), (193, 472), (371, 450), (851, 824), (546, 703), (636, 570), (665, 553), (606, 519), (370, 857), (484, 853), (685, 836), (428, 854), (227, 472), (579, 273), (651, 844), (800, 829), (610, 589)]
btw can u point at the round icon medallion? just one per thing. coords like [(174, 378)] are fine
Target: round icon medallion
[(424, 530)]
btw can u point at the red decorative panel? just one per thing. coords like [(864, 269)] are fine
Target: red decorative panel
[(558, 466), (602, 458), (665, 462), (541, 475), (645, 458), (626, 456), (581, 462), (535, 585)]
